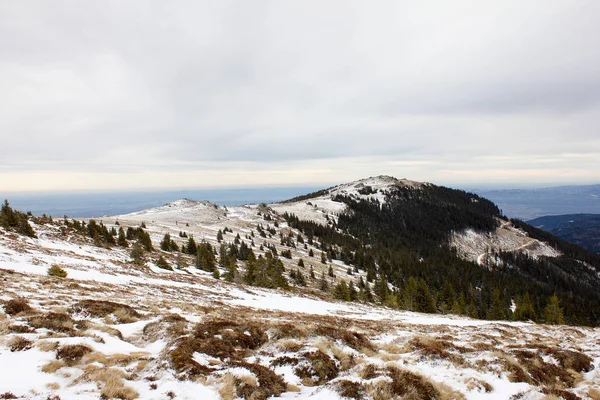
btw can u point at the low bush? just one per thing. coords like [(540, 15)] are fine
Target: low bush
[(56, 270)]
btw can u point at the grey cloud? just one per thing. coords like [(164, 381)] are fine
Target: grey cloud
[(111, 85)]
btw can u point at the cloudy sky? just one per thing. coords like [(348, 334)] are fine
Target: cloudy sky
[(150, 94)]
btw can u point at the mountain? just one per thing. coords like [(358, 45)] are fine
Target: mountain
[(581, 229), (374, 289), (528, 204)]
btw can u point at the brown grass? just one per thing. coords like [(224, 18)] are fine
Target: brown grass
[(168, 327), (54, 322), (350, 389), (101, 308), (355, 340), (47, 345), (20, 329), (72, 353), (53, 366), (593, 394), (317, 368), (479, 385), (227, 389), (19, 343), (269, 383), (369, 371), (17, 306), (435, 348), (112, 383), (411, 385)]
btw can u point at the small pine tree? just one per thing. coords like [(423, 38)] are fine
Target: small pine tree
[(163, 264), (553, 312), (323, 285), (137, 254), (122, 240)]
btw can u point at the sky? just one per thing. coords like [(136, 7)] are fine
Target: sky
[(115, 95)]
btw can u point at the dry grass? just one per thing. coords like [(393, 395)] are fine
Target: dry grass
[(435, 348), (111, 380), (350, 389), (593, 394), (126, 316), (352, 339), (168, 327), (53, 386), (269, 383), (289, 345), (227, 388), (17, 306), (101, 308), (19, 343), (72, 353), (317, 368), (53, 366), (47, 345), (479, 385), (53, 321)]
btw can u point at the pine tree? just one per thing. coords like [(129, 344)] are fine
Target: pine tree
[(525, 310), (122, 240), (323, 285), (424, 299), (410, 294), (340, 291), (137, 254), (497, 308), (165, 244), (553, 312)]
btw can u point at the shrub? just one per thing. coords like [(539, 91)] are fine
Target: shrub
[(56, 270)]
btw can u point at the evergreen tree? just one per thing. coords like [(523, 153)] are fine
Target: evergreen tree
[(137, 254), (410, 294), (525, 310), (162, 263), (191, 247), (445, 301), (122, 240), (424, 299), (553, 312), (323, 285), (497, 310), (340, 291), (165, 244)]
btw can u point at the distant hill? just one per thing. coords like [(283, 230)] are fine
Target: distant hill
[(527, 204), (581, 229)]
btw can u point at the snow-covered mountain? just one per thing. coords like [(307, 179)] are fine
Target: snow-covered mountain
[(119, 329)]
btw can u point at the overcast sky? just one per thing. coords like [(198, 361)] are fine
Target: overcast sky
[(150, 94)]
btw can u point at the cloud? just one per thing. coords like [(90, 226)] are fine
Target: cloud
[(447, 92)]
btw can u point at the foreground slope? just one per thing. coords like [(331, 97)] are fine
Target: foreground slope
[(124, 332), (122, 327)]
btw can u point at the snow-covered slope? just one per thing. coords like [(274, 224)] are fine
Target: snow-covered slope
[(149, 341), (479, 247), (140, 331), (322, 207)]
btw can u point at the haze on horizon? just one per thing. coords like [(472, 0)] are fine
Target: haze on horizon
[(113, 95)]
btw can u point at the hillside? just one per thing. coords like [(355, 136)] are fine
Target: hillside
[(580, 229), (374, 289)]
